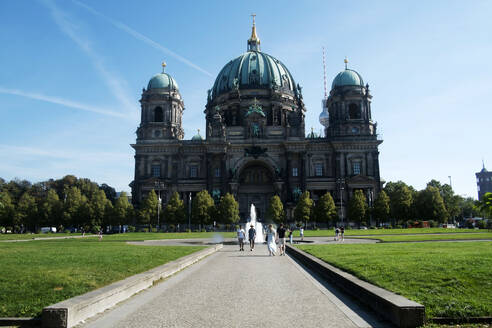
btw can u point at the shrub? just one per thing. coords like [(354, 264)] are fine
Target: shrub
[(171, 227), (481, 224), (398, 226), (2, 229), (66, 231), (432, 223), (96, 229), (131, 229)]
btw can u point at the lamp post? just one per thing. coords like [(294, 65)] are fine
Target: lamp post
[(189, 211), (341, 183), (371, 199), (158, 185)]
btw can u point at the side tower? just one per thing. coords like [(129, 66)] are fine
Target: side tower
[(158, 136), (349, 106), (351, 131), (162, 110)]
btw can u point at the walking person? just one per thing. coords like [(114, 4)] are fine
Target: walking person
[(337, 232), (342, 232), (301, 231), (240, 237), (281, 238), (252, 236), (291, 236), (271, 240)]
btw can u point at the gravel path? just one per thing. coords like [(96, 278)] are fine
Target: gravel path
[(238, 289)]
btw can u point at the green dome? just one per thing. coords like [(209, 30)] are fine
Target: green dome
[(197, 137), (162, 81), (253, 70), (347, 77)]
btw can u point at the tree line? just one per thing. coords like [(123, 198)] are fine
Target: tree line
[(79, 203), (397, 204), (73, 202)]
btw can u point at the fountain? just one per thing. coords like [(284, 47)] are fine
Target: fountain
[(257, 225)]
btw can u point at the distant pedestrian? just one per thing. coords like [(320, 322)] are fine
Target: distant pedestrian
[(281, 239), (291, 236), (342, 232), (100, 235), (301, 231), (271, 240), (252, 236), (337, 233), (240, 237)]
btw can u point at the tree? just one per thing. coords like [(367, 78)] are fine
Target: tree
[(275, 211), (72, 208), (325, 210), (148, 210), (228, 209), (201, 208), (98, 204), (175, 210), (485, 205), (357, 207), (50, 210), (121, 210), (7, 209), (303, 209), (110, 192), (27, 212), (381, 207), (451, 201), (431, 205), (401, 200)]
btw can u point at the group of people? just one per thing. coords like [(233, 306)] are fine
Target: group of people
[(273, 237), (339, 233), (241, 234)]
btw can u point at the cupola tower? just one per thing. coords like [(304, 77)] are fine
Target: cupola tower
[(162, 109)]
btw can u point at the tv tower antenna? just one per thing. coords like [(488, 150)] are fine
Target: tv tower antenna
[(324, 73)]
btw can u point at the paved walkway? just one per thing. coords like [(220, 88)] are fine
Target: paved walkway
[(238, 289)]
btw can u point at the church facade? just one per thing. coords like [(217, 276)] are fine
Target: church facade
[(255, 144)]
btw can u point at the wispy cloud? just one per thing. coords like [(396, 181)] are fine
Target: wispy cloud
[(55, 153), (37, 163), (141, 37), (115, 84), (64, 102)]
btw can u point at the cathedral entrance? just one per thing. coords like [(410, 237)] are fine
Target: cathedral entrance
[(255, 187)]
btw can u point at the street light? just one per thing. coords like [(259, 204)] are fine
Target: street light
[(341, 182), (158, 185), (371, 199), (189, 211)]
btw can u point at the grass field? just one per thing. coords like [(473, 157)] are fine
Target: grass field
[(182, 235), (372, 232), (130, 236), (39, 273), (429, 237), (450, 279)]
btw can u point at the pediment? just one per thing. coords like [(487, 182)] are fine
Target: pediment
[(360, 179)]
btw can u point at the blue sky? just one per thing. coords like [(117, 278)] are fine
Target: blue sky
[(72, 72)]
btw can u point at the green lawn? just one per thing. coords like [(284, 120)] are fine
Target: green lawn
[(371, 232), (23, 236), (450, 279), (427, 237), (39, 273), (134, 236)]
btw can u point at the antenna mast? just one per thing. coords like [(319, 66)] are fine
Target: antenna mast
[(324, 72)]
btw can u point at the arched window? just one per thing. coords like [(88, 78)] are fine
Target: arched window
[(354, 111), (158, 117)]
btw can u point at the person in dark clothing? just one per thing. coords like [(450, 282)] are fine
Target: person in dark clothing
[(252, 236), (281, 239)]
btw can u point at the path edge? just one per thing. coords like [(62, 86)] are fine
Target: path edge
[(74, 310), (399, 310)]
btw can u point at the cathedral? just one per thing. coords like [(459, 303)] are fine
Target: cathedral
[(255, 144)]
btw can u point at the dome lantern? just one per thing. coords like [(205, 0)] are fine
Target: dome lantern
[(254, 41)]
